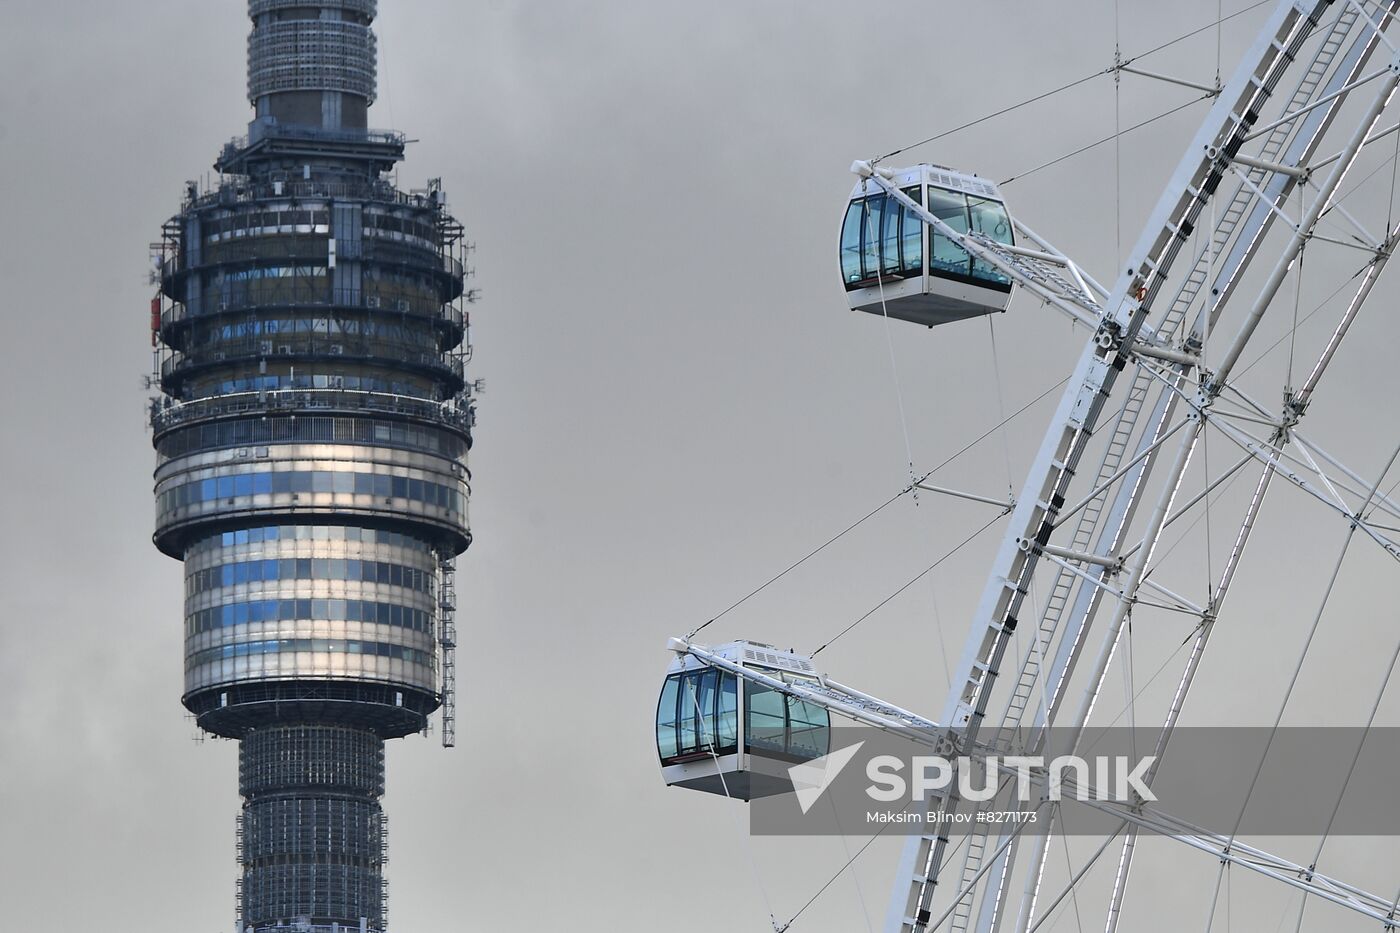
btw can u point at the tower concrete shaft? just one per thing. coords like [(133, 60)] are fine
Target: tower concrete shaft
[(311, 435)]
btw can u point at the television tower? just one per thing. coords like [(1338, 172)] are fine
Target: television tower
[(311, 435)]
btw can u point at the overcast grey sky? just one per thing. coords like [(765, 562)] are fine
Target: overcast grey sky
[(678, 405)]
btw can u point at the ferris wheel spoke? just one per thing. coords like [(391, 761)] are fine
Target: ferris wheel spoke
[(1265, 863), (1380, 501), (1273, 461), (1334, 485)]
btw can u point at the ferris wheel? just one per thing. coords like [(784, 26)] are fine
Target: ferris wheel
[(1090, 538)]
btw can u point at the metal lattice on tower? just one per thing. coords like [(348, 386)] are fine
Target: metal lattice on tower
[(447, 640), (311, 436)]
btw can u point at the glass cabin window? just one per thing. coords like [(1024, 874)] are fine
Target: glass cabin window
[(850, 243), (694, 731), (767, 719), (808, 729), (893, 214), (727, 720), (697, 716), (668, 721), (945, 255), (785, 726), (881, 238), (911, 236), (872, 221), (989, 218)]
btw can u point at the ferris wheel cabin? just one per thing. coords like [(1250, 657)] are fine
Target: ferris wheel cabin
[(893, 263), (703, 742)]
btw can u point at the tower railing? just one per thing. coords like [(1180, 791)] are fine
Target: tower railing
[(165, 417), (368, 8), (238, 189), (311, 345), (294, 297)]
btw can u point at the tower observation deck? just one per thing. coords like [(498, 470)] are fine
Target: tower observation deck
[(311, 436)]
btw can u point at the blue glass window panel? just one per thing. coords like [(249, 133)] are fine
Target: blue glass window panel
[(871, 223), (945, 255), (766, 724), (911, 236), (989, 218), (727, 718), (808, 729), (850, 268), (889, 237)]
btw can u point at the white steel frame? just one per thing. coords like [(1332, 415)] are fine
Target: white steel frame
[(1123, 336), (1164, 353)]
